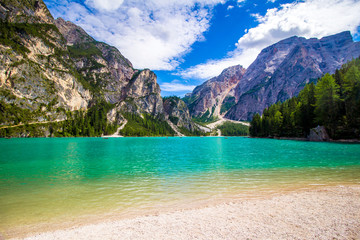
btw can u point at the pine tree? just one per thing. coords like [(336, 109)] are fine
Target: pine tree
[(327, 102)]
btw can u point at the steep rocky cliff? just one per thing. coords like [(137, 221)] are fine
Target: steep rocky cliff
[(104, 69), (143, 94), (215, 96), (109, 75), (25, 11), (35, 67), (281, 70), (178, 113)]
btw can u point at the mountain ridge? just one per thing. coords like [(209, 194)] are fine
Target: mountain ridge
[(281, 70), (207, 99)]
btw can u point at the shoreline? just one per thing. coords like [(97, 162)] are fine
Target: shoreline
[(307, 140), (351, 141), (321, 211)]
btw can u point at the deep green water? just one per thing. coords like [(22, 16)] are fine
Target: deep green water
[(46, 179)]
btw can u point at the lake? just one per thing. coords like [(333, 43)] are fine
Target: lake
[(60, 179)]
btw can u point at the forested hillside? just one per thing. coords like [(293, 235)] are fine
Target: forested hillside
[(334, 102)]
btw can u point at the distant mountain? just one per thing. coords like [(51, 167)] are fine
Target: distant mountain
[(281, 70), (52, 71), (215, 96)]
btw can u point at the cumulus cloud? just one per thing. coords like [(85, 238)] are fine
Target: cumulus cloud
[(105, 5), (153, 34), (213, 68), (311, 18), (176, 86)]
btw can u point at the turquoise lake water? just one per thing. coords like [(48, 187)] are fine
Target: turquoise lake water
[(43, 180)]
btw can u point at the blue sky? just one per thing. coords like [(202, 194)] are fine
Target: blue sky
[(186, 42)]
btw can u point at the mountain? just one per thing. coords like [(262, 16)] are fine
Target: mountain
[(36, 73), (329, 109), (215, 96), (53, 73), (109, 74), (280, 71), (179, 113)]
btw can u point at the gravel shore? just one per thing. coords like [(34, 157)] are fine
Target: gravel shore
[(324, 212)]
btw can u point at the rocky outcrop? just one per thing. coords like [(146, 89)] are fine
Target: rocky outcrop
[(103, 67), (318, 134), (143, 94), (215, 96), (35, 68), (281, 71), (110, 74), (20, 11), (178, 113)]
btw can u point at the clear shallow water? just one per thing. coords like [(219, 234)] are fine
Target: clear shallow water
[(46, 179)]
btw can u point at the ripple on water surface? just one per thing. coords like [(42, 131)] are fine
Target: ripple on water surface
[(46, 179)]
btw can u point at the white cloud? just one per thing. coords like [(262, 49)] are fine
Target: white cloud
[(176, 86), (230, 7), (105, 5), (311, 18), (153, 34), (213, 68)]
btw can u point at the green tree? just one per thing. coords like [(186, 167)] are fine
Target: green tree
[(277, 121), (306, 115), (255, 126), (352, 98), (327, 102)]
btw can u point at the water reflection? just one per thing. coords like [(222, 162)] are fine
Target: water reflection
[(52, 178)]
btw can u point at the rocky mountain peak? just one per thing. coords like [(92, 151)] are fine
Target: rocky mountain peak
[(215, 96), (337, 40), (72, 33), (25, 11), (281, 70), (230, 72)]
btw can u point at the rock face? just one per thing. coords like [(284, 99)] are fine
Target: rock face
[(51, 66), (215, 96), (20, 11), (102, 66), (178, 113), (109, 74), (35, 67), (142, 94), (318, 134), (281, 71)]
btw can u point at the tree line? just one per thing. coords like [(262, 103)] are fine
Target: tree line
[(147, 125), (92, 123), (334, 102), (233, 129)]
